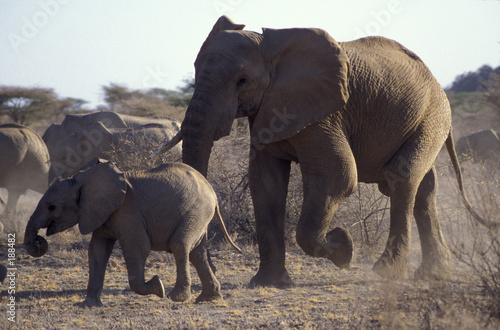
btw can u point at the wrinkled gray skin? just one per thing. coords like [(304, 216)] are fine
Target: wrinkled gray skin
[(24, 162), (368, 110), (74, 123), (75, 141), (164, 209), (482, 147), (96, 140)]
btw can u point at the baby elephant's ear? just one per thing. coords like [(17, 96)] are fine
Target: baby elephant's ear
[(102, 191)]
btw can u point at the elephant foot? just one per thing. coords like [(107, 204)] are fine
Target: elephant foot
[(278, 279), (90, 302), (216, 295), (157, 285), (339, 247), (180, 293), (389, 268), (433, 272)]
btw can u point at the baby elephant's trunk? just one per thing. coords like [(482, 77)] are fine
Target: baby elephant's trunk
[(35, 245)]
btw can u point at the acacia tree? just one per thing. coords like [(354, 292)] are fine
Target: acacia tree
[(155, 101), (25, 105), (21, 104)]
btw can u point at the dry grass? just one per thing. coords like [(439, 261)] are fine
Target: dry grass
[(48, 288), (324, 297)]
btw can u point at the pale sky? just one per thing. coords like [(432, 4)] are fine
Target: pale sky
[(77, 46)]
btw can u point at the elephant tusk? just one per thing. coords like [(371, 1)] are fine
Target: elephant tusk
[(169, 145)]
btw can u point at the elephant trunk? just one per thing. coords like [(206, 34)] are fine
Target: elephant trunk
[(34, 244), (197, 134), (196, 154)]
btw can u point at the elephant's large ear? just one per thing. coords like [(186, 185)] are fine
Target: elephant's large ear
[(309, 82), (222, 24), (102, 191)]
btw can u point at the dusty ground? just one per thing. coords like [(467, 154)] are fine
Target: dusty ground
[(47, 289), (324, 297)]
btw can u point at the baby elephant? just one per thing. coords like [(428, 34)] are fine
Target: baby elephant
[(164, 209)]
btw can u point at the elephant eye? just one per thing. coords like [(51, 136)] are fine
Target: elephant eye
[(242, 81), (52, 207)]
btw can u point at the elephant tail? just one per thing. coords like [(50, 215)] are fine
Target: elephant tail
[(450, 146), (223, 226)]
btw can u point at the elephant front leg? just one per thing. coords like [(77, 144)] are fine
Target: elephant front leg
[(269, 178), (135, 254), (323, 193), (99, 251)]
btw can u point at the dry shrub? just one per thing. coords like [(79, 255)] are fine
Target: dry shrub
[(133, 153), (473, 244), (366, 214), (228, 174)]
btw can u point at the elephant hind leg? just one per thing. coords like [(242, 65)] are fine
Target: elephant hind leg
[(435, 253), (392, 262), (12, 200), (401, 188), (402, 176), (182, 288), (199, 259)]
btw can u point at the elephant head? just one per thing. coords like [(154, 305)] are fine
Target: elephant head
[(283, 80), (87, 199), (76, 149)]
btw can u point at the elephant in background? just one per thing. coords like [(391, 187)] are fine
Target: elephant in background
[(24, 162), (78, 124), (164, 209), (125, 146), (75, 123), (481, 147), (367, 110)]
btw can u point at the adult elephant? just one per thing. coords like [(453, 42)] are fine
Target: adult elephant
[(24, 162), (480, 147), (76, 123), (368, 110), (122, 145), (72, 123)]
